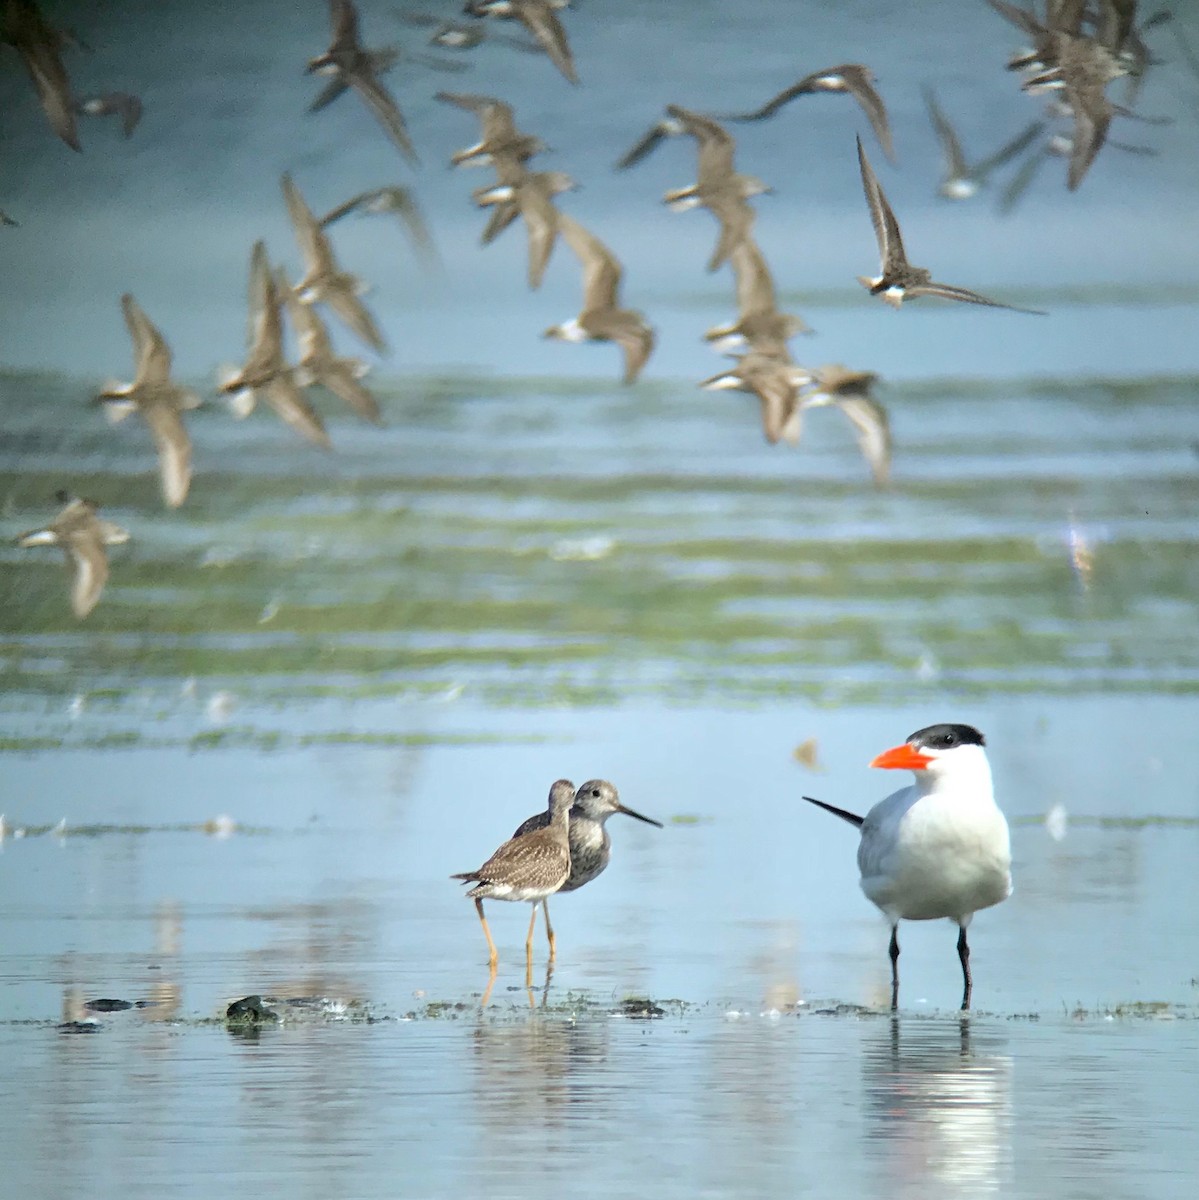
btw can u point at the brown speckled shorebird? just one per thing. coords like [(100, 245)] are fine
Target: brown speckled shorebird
[(590, 842), (82, 534), (527, 868)]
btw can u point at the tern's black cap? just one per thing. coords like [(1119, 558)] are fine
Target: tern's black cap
[(946, 737)]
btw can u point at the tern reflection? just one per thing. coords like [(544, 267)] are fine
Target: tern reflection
[(939, 1105)]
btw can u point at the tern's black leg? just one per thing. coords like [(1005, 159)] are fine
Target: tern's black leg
[(964, 957), (894, 952)]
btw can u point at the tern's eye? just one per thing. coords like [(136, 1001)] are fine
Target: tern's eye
[(947, 740)]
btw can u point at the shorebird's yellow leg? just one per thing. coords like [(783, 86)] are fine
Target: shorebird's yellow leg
[(529, 941), (549, 931), (492, 954), (487, 989)]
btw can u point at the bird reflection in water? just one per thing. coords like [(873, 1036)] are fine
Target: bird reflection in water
[(940, 1108)]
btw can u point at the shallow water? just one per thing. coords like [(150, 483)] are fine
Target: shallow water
[(332, 679)]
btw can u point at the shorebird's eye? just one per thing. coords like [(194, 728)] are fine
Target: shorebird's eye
[(595, 792)]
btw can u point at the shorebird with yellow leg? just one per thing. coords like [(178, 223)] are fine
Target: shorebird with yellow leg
[(529, 868)]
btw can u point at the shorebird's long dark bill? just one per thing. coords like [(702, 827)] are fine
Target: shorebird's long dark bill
[(628, 812)]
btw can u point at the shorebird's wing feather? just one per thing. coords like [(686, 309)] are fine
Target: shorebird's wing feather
[(774, 103), (872, 428), (337, 86), (638, 345), (356, 315), (314, 244), (601, 269), (502, 215), (338, 376), (1009, 150), (736, 218), (947, 292), (283, 394), (650, 140), (343, 16), (1021, 181), (38, 46), (382, 104), (1023, 20), (886, 228), (951, 148), (541, 224), (857, 81), (1092, 117), (90, 561), (542, 22), (779, 400), (150, 351), (174, 450), (755, 286)]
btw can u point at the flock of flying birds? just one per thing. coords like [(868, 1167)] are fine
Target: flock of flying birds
[(1075, 49)]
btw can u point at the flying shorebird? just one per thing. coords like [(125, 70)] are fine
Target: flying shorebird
[(324, 280), (460, 35), (82, 536), (398, 200), (39, 44), (939, 848), (320, 363), (529, 868), (850, 391), (759, 325), (590, 842), (533, 197), (266, 369), (718, 186), (113, 104), (158, 400), (776, 380), (499, 139), (851, 78), (898, 279), (540, 19), (961, 181), (602, 319), (353, 66)]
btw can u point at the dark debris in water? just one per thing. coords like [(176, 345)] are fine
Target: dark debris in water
[(250, 1010), (642, 1009), (106, 1005)]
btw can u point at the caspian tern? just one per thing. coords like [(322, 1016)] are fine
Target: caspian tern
[(939, 848)]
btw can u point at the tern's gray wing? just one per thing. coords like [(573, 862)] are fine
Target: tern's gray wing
[(886, 228), (151, 353), (947, 292)]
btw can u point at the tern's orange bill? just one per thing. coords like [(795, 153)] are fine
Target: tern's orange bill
[(902, 757)]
